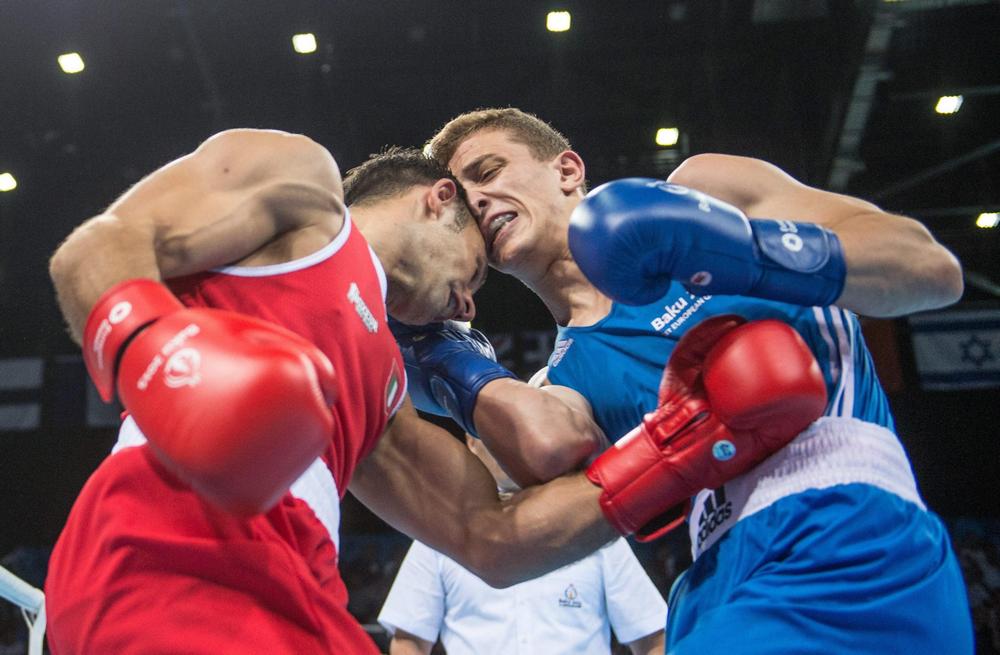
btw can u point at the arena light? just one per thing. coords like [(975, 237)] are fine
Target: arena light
[(667, 136), (948, 104), (304, 43), (7, 182), (558, 21), (70, 62), (988, 219)]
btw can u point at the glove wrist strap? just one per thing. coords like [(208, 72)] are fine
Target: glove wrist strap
[(802, 263), (123, 310)]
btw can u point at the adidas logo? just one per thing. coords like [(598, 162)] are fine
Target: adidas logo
[(716, 511)]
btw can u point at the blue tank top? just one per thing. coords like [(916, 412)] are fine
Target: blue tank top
[(617, 363)]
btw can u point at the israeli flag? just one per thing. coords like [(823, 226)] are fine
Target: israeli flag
[(957, 349)]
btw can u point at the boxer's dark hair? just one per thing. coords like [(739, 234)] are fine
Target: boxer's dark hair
[(390, 173), (543, 140)]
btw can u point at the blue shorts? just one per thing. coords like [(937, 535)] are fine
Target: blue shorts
[(847, 569)]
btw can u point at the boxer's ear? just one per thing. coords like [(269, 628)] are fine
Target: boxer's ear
[(441, 193), (572, 171)]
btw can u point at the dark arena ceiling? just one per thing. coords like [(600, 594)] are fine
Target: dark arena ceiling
[(840, 93)]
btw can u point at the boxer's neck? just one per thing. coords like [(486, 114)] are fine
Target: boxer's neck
[(570, 297)]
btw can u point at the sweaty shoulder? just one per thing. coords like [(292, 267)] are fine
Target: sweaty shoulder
[(246, 157), (243, 197), (289, 176), (740, 181)]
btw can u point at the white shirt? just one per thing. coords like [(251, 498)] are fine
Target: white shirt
[(570, 610)]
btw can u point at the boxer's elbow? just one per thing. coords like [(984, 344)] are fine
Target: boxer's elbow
[(495, 575), (568, 438), (898, 270), (61, 266), (489, 556), (66, 268), (68, 263), (949, 283), (560, 452), (65, 261), (934, 275), (533, 449), (557, 446)]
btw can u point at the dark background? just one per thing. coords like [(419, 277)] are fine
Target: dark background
[(838, 93)]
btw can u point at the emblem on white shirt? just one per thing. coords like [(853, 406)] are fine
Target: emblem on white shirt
[(569, 598)]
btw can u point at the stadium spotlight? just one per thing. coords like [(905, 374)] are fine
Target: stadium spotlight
[(304, 43), (558, 21), (667, 136), (7, 182), (948, 104), (988, 219), (71, 62)]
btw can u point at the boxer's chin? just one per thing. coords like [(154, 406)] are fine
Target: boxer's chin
[(399, 309), (511, 256), (411, 311)]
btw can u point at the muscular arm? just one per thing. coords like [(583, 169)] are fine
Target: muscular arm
[(423, 482), (648, 645), (236, 193), (403, 643), (894, 265), (536, 434)]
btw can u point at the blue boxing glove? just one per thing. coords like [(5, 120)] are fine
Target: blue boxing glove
[(447, 364), (631, 237)]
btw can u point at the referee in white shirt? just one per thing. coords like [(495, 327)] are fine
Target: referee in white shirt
[(570, 610)]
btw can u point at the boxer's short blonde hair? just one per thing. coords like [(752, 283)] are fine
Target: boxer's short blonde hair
[(543, 140)]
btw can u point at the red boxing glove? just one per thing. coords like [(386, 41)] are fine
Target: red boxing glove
[(236, 407), (120, 313), (732, 394)]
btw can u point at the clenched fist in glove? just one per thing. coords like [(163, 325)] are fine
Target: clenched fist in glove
[(235, 406), (732, 394), (447, 365)]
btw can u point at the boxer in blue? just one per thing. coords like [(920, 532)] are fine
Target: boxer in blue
[(825, 546)]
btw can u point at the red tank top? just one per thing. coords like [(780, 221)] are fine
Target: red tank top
[(335, 298)]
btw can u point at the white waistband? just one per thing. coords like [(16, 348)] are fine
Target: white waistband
[(832, 451), (319, 490), (316, 486)]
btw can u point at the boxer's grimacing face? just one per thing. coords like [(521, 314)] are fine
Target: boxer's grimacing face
[(445, 267), (519, 201)]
